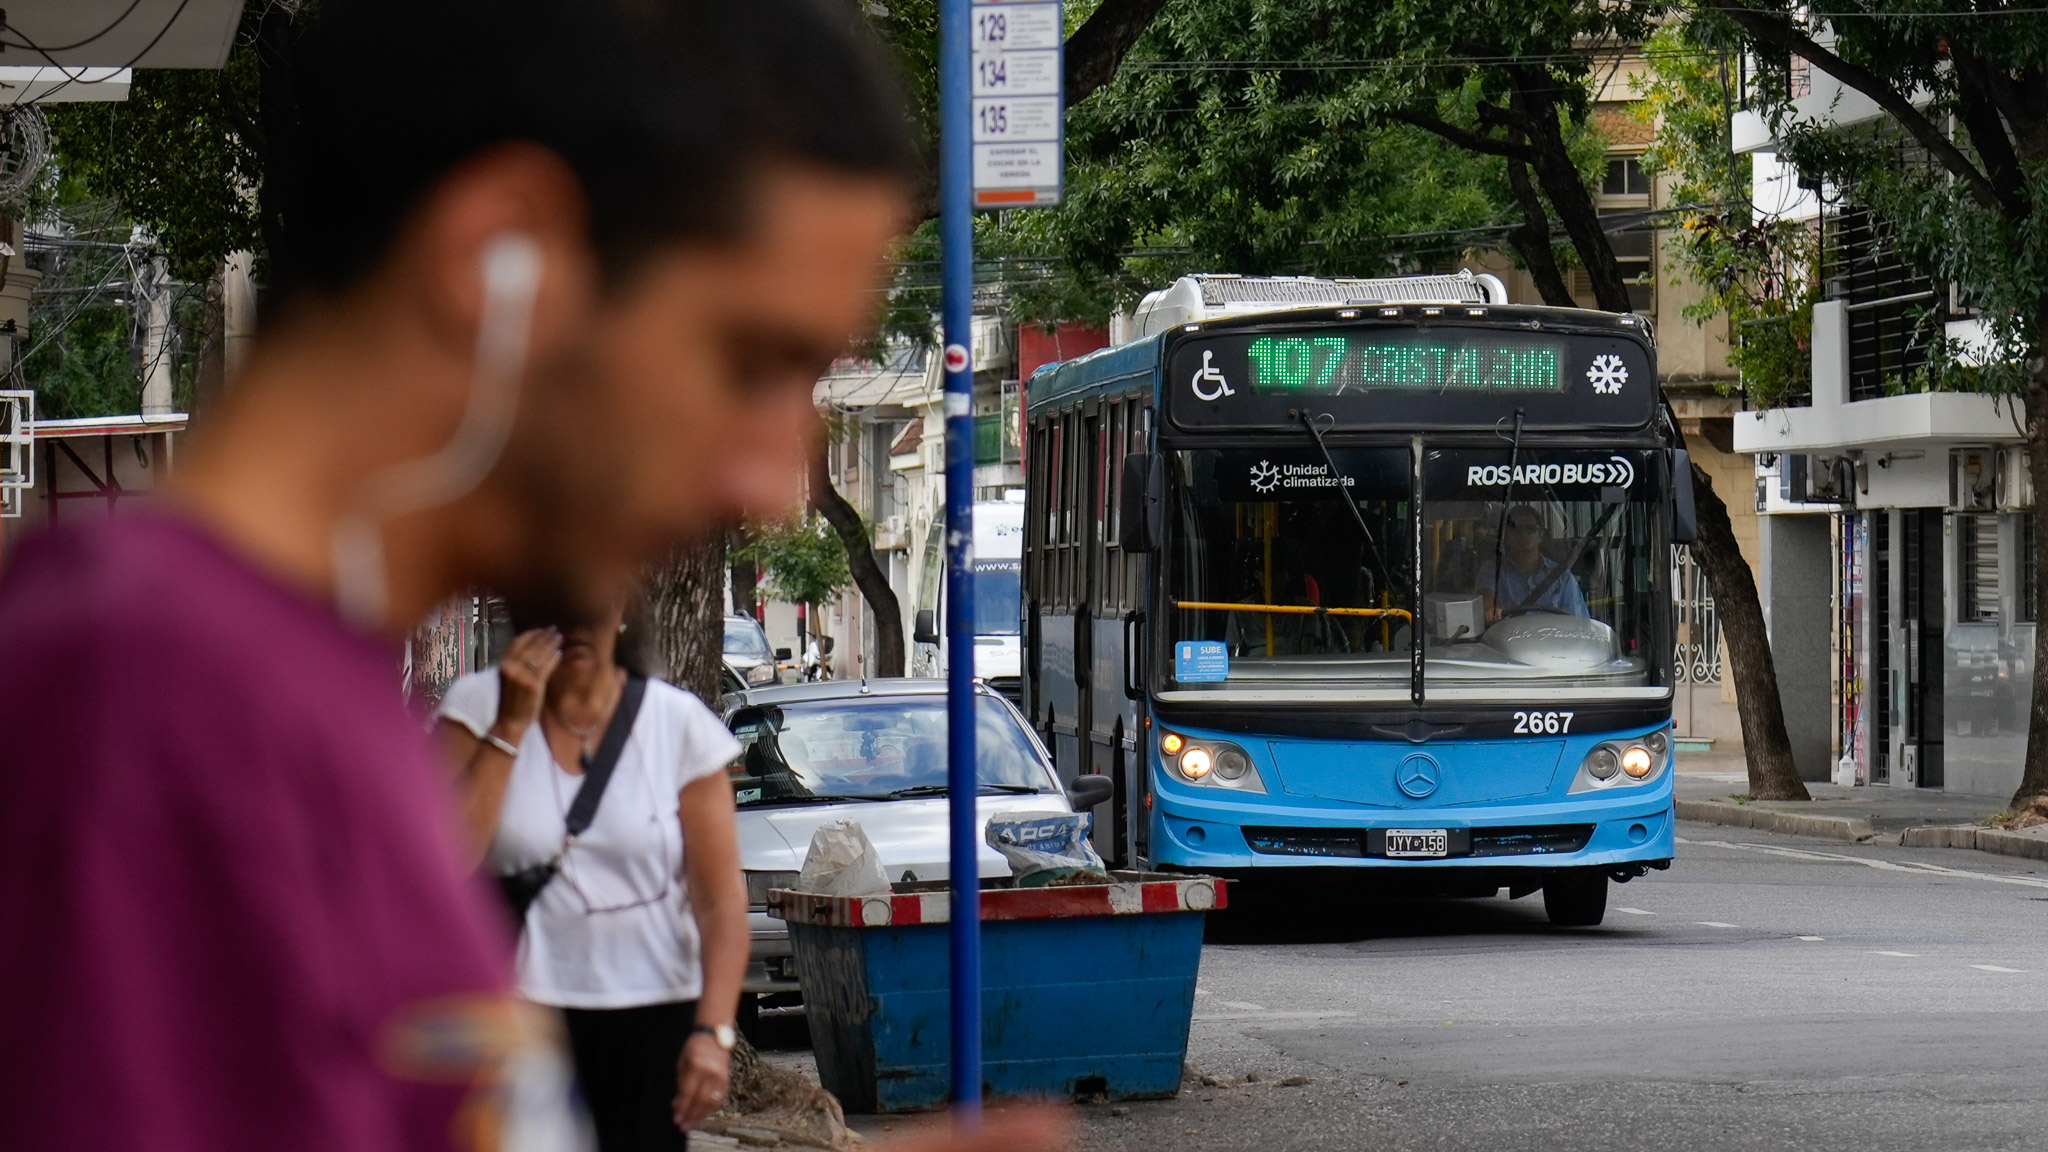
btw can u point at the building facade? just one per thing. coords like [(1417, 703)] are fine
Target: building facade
[(1898, 522)]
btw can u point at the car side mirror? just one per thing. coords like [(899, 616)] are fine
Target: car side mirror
[(1141, 503), (782, 654), (1685, 524), (926, 630), (1089, 790)]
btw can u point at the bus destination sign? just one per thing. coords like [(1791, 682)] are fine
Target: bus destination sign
[(1437, 376)]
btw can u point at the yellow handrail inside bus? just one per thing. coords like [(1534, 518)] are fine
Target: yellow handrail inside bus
[(1292, 609)]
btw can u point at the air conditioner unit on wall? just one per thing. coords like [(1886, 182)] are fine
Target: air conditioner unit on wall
[(2014, 481), (1971, 480), (1829, 480)]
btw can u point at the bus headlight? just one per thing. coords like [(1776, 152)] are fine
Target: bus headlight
[(1636, 761), (1614, 763), (1212, 764)]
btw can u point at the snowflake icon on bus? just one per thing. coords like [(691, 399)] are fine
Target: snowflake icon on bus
[(1607, 374), (1265, 477)]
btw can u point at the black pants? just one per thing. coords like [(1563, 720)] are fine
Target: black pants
[(626, 1064)]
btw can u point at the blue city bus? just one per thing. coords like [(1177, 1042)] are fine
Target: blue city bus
[(1356, 574)]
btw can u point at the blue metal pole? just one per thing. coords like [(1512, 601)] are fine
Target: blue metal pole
[(956, 270)]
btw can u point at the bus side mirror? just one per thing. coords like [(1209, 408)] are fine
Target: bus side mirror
[(1089, 790), (1141, 504), (926, 630), (1684, 517)]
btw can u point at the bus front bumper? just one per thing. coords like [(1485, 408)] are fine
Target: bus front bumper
[(1632, 827)]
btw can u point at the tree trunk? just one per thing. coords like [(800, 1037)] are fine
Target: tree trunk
[(1767, 746), (1531, 238), (746, 577), (1098, 46), (2034, 768), (868, 573), (1566, 187), (685, 598)]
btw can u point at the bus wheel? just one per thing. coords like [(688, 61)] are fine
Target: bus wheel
[(1576, 899)]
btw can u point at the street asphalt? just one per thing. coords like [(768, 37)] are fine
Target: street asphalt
[(1765, 993)]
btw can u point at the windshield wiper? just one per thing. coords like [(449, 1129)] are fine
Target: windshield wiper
[(814, 798), (1343, 490), (985, 790)]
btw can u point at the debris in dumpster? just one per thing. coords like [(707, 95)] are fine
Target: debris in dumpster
[(842, 861), (1047, 849)]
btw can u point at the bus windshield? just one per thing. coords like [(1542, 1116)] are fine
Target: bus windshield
[(1542, 574), (1267, 560)]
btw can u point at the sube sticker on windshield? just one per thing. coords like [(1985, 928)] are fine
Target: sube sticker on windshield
[(1201, 661)]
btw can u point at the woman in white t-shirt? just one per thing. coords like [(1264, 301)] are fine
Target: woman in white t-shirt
[(641, 936)]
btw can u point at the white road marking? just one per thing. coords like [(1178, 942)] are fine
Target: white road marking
[(1810, 939), (1908, 866), (1715, 924), (1240, 1006), (1636, 911), (1200, 991), (1995, 968), (1907, 955), (1240, 1017)]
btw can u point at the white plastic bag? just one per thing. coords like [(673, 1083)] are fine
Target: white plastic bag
[(842, 862), (1047, 849)]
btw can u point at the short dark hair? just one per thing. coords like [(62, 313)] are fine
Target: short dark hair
[(664, 109)]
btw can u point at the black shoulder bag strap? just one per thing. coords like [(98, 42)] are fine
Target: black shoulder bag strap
[(521, 888), (597, 769)]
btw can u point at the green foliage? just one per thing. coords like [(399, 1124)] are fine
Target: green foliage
[(801, 559), (1759, 273), (177, 155), (1265, 137), (1968, 219)]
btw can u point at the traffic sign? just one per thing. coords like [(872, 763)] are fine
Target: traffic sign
[(1017, 85)]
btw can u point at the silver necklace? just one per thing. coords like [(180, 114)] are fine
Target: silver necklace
[(584, 734)]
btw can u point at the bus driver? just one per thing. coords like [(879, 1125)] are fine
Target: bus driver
[(1522, 578)]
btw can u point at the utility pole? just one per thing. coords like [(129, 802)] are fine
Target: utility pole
[(157, 374)]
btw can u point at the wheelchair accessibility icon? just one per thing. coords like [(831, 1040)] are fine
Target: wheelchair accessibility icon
[(1209, 383)]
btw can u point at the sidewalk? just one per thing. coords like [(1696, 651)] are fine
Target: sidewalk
[(1707, 785)]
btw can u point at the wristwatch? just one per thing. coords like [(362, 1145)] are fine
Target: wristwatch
[(723, 1035)]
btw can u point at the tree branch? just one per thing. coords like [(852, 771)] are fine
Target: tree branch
[(1461, 137), (1099, 45), (1532, 239), (1778, 33)]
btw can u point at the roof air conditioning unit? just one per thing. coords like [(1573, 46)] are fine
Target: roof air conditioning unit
[(1971, 480), (2014, 487)]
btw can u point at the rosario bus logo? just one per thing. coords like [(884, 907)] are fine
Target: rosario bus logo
[(1616, 471)]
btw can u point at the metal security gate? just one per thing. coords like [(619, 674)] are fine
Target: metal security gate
[(1698, 656)]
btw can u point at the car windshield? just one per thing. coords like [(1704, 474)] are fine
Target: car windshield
[(745, 640), (871, 748)]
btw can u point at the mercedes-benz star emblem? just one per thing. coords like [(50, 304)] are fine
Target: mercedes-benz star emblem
[(1417, 777)]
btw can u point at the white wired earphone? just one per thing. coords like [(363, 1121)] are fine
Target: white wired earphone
[(511, 284)]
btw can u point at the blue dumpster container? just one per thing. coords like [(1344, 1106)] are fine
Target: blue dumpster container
[(1086, 990)]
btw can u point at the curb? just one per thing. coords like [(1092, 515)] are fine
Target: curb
[(1993, 840), (1844, 828)]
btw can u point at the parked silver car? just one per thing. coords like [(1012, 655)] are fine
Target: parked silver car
[(874, 752), (747, 652)]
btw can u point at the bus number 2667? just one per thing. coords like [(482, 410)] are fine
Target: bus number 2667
[(1542, 723)]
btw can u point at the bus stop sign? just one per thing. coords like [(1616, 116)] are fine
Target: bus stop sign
[(1016, 73)]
